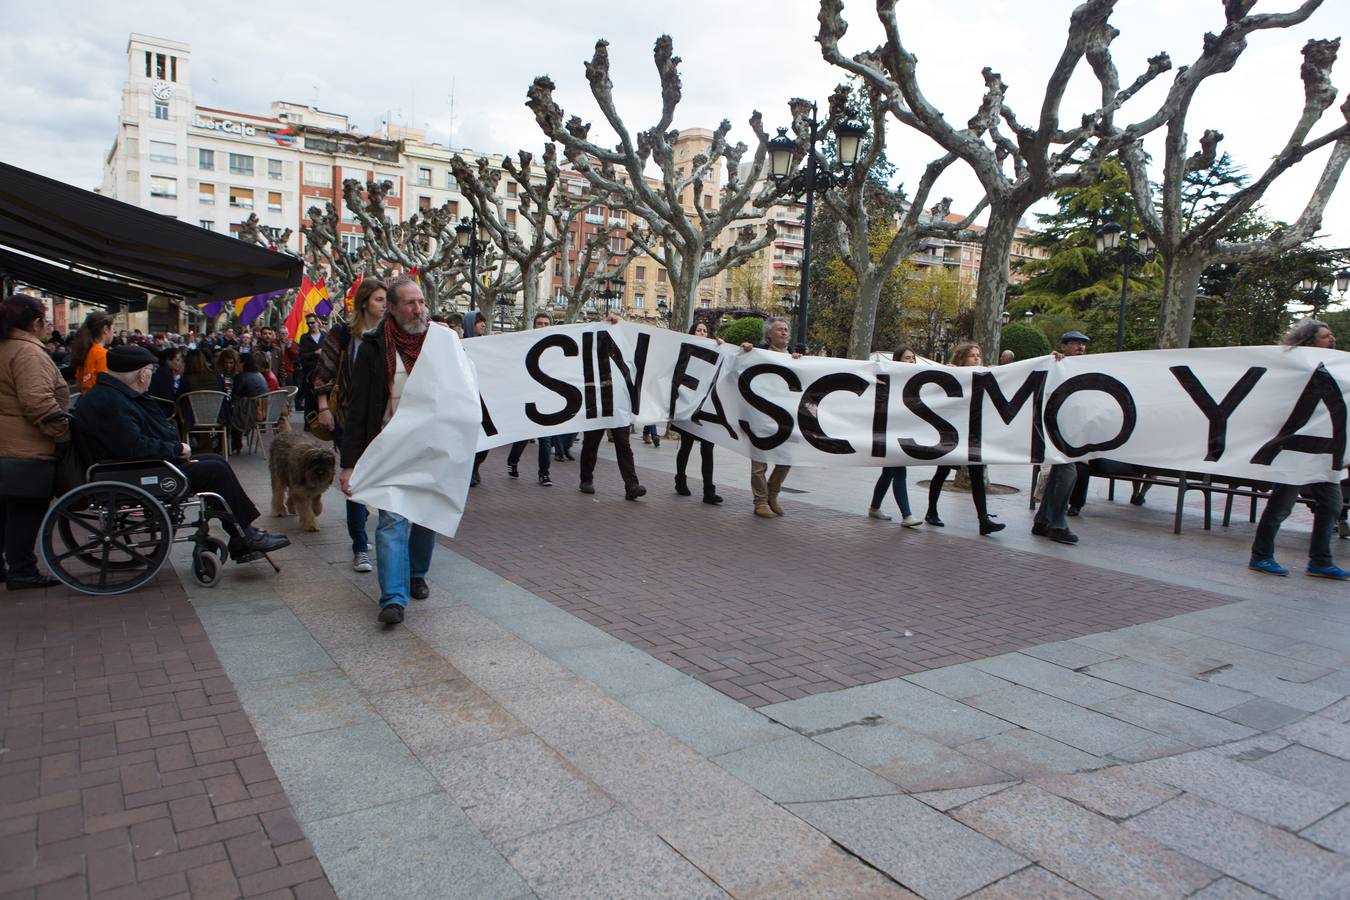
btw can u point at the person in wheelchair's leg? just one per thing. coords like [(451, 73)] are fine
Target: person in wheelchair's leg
[(118, 422)]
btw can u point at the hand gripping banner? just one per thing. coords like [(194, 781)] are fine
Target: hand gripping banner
[(1263, 413)]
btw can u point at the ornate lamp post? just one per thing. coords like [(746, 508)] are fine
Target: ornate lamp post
[(1130, 251), (611, 289), (472, 237), (663, 309), (849, 135)]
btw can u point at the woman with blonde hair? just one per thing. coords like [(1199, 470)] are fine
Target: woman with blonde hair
[(89, 349), (966, 353)]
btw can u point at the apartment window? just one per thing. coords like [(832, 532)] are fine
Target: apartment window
[(241, 164), (641, 272), (511, 188), (274, 169), (424, 204), (424, 176), (639, 301), (241, 198), (616, 245), (353, 243), (161, 186), (206, 193), (161, 109), (707, 201), (161, 70), (393, 183), (450, 184), (452, 206), (173, 68), (206, 223), (319, 176), (660, 276), (557, 268), (163, 151), (206, 160), (274, 201), (511, 217), (147, 64)]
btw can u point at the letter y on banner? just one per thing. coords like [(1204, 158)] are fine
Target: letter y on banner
[(419, 465)]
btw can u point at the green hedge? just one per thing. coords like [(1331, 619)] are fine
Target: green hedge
[(1025, 341), (746, 328)]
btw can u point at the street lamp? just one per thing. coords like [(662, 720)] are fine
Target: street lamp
[(1343, 282), (849, 134), (472, 237), (505, 300), (662, 309), (612, 289), (1315, 294), (1117, 242)]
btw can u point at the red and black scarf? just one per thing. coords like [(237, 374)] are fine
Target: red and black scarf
[(407, 345)]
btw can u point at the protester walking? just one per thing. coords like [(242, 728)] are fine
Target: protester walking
[(308, 350), (541, 320), (475, 326), (967, 353), (332, 387), (894, 478), (383, 363), (1062, 481), (33, 402), (623, 452), (705, 448), (1325, 495), (765, 485)]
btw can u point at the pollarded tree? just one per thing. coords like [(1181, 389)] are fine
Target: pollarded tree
[(681, 229), (425, 242), (1188, 245), (861, 196), (539, 198)]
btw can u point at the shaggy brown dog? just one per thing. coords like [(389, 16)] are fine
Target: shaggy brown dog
[(302, 469)]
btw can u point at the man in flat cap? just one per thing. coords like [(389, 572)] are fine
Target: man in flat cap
[(119, 422), (1051, 518)]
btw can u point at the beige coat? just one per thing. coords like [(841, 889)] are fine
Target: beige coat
[(31, 389)]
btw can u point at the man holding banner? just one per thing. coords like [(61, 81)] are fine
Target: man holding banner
[(383, 364), (765, 485)]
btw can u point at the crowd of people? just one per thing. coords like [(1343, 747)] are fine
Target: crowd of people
[(349, 380)]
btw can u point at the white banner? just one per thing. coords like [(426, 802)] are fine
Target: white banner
[(1262, 413)]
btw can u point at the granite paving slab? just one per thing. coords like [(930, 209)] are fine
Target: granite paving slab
[(311, 701), (1327, 775), (910, 760), (1031, 883), (1168, 685), (1333, 832), (703, 718), (1065, 722), (1191, 726), (1048, 678), (1320, 733), (1117, 793), (795, 769), (1029, 754)]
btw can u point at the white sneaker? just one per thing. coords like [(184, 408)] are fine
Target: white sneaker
[(877, 514), (361, 562), (911, 521)]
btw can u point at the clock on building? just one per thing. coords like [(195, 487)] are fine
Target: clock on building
[(162, 90)]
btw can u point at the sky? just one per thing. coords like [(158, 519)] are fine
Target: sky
[(460, 69)]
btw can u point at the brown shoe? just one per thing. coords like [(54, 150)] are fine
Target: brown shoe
[(764, 512), (773, 505)]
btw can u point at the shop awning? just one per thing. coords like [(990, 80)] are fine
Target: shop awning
[(73, 285), (110, 240)]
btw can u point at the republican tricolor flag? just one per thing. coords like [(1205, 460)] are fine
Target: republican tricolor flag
[(311, 298)]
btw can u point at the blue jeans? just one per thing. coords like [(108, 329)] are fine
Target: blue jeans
[(892, 477), (402, 553), (1058, 488), (357, 514), (1326, 496)]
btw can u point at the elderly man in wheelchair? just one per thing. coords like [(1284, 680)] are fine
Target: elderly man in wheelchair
[(113, 533)]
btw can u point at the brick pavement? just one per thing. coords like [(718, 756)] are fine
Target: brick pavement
[(127, 766), (767, 611)]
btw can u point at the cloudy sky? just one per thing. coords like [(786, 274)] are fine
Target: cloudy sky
[(65, 64)]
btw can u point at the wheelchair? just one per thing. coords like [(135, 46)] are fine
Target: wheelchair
[(113, 533)]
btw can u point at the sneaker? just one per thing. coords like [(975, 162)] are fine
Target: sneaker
[(1332, 571), (1270, 567), (988, 526), (634, 491), (1040, 529), (711, 497), (1062, 536), (586, 487), (545, 481), (911, 521), (418, 589), (513, 471), (932, 519), (878, 514), (361, 562), (390, 615)]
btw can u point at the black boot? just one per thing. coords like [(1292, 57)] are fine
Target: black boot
[(710, 494), (682, 486), (989, 526)]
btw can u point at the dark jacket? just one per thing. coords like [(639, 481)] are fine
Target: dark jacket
[(116, 423), (368, 397)]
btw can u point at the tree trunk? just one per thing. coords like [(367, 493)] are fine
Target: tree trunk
[(431, 291), (1181, 281), (684, 283), (993, 284), (865, 316), (530, 292)]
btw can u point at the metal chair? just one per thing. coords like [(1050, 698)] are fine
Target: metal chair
[(272, 410), (200, 413)]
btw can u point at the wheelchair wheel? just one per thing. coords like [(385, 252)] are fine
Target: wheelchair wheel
[(206, 567), (107, 537)]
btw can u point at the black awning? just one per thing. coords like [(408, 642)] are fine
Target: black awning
[(56, 280), (111, 240)]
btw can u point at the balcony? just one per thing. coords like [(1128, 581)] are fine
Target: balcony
[(593, 219), (618, 221)]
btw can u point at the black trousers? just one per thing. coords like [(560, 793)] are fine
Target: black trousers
[(705, 450), (1078, 497), (545, 453), (20, 519), (623, 450), (976, 489), (210, 472)]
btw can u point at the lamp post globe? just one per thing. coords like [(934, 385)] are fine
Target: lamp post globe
[(1342, 281), (848, 135), (1108, 237), (781, 151), (463, 234)]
